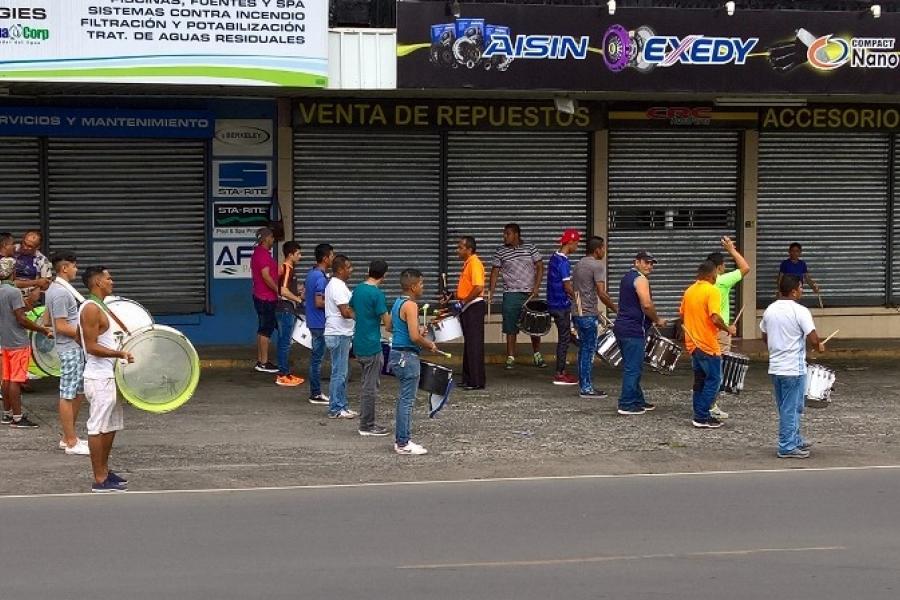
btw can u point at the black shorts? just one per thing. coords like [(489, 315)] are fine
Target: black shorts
[(265, 311)]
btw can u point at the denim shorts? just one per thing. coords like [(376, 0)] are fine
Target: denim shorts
[(265, 311), (71, 374)]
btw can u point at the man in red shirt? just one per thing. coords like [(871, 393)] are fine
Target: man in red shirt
[(263, 272)]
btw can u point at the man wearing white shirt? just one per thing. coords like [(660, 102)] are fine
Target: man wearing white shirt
[(787, 326), (339, 324)]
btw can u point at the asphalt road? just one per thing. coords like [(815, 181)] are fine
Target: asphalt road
[(793, 534)]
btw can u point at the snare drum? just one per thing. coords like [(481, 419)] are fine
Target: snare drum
[(608, 348), (438, 382), (819, 384), (661, 354), (535, 319), (734, 371), (445, 330)]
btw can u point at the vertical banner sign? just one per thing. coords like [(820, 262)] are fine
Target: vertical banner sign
[(194, 42), (532, 47)]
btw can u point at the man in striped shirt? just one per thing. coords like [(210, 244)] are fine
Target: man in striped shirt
[(522, 269)]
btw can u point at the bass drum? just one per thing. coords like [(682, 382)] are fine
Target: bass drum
[(165, 371), (131, 313), (44, 360)]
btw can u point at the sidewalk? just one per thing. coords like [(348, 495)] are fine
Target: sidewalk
[(231, 357)]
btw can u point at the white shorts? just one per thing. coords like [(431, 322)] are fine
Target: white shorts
[(106, 413)]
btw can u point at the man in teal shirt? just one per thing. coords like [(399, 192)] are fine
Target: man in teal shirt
[(724, 283), (370, 307)]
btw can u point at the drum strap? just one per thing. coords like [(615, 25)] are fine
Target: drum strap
[(107, 310)]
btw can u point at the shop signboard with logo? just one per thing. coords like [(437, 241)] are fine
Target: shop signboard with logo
[(506, 46), (195, 42), (243, 137)]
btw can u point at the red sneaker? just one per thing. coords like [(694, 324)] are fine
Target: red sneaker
[(564, 379)]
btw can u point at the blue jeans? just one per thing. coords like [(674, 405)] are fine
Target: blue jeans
[(707, 381), (587, 336), (408, 378), (315, 361), (339, 346), (286, 322), (632, 348), (790, 391)]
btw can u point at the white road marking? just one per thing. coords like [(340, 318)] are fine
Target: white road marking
[(331, 486)]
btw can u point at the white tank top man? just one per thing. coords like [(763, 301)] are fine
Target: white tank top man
[(101, 351)]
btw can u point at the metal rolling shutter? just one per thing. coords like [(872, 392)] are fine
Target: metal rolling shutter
[(20, 185), (827, 191), (673, 193), (137, 207), (536, 179), (895, 250), (371, 195)]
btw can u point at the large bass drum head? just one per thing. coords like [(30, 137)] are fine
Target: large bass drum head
[(165, 371), (131, 313), (36, 369)]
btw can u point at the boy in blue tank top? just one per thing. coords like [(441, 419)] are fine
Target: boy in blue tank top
[(404, 362)]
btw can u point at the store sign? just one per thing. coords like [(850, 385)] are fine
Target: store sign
[(832, 118), (243, 137), (242, 179), (450, 115), (233, 220), (62, 122), (550, 47), (195, 42), (681, 115), (231, 260)]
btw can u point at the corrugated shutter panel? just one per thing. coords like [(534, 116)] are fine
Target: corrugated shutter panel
[(895, 268), (20, 185), (137, 207), (371, 195), (827, 191), (673, 193), (536, 179)]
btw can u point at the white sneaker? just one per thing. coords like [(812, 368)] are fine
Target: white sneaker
[(62, 443), (410, 448), (80, 449), (344, 414), (718, 412)]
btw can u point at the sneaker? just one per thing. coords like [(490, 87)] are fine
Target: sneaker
[(718, 412), (539, 360), (648, 407), (631, 411), (115, 477), (23, 423), (299, 380), (795, 453), (806, 444), (79, 449), (410, 448), (510, 362), (266, 368), (564, 379), (592, 394), (374, 430), (287, 380), (6, 418), (710, 423), (107, 486), (319, 399), (344, 414)]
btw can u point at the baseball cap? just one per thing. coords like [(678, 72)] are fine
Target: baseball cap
[(570, 235), (644, 255)]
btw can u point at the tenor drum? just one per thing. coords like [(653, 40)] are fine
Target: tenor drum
[(131, 313), (301, 333), (608, 348), (438, 382), (445, 330), (535, 318), (734, 371), (165, 371), (44, 360), (661, 354), (819, 384)]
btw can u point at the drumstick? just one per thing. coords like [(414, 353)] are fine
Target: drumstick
[(825, 341), (737, 318), (442, 353), (578, 304), (821, 304)]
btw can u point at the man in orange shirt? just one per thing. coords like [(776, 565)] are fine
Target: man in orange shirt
[(701, 310), (469, 293)]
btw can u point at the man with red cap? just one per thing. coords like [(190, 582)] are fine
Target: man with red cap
[(560, 295)]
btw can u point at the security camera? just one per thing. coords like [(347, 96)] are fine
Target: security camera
[(729, 8), (611, 5)]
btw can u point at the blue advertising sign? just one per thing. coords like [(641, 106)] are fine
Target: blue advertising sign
[(76, 122)]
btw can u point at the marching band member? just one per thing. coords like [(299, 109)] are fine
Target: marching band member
[(469, 293)]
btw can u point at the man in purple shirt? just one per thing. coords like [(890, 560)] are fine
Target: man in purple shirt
[(264, 272)]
